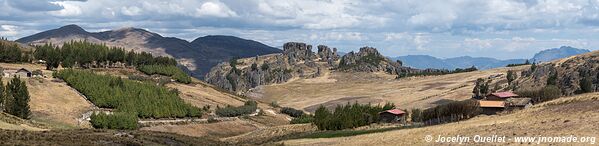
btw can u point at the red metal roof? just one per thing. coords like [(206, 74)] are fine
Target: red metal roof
[(504, 94), (395, 111)]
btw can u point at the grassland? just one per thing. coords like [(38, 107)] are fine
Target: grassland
[(575, 115), (339, 88)]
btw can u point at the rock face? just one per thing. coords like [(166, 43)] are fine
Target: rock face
[(568, 74), (328, 55), (297, 60), (368, 59)]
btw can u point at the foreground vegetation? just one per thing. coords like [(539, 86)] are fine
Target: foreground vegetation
[(348, 116), (14, 98), (142, 99), (114, 121), (230, 111)]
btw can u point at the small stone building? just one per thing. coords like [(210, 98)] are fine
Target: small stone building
[(392, 116)]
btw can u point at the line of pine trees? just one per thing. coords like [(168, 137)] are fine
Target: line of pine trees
[(230, 111), (12, 53), (14, 98), (431, 72), (85, 54), (450, 112), (348, 116), (118, 120), (143, 99)]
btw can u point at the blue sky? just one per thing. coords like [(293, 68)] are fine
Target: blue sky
[(502, 29)]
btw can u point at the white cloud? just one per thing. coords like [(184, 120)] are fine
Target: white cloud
[(9, 30), (69, 9), (215, 9), (131, 11)]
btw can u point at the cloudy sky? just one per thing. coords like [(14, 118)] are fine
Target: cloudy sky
[(443, 28)]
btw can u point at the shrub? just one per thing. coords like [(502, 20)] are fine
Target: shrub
[(292, 112), (305, 118), (230, 111), (117, 120)]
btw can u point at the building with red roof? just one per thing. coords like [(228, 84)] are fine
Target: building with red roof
[(392, 116)]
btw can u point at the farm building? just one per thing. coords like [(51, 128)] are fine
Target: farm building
[(518, 103), (23, 73), (392, 116), (489, 107), (501, 96)]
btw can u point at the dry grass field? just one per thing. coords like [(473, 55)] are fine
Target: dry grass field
[(52, 102), (339, 88), (577, 115), (201, 94), (218, 129)]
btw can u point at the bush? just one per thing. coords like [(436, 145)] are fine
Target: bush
[(170, 70), (114, 121), (302, 119), (292, 112), (230, 111)]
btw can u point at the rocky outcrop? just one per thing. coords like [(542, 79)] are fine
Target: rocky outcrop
[(328, 55), (368, 59), (297, 60)]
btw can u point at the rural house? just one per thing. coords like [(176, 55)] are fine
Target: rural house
[(23, 73), (391, 116), (501, 96), (490, 107)]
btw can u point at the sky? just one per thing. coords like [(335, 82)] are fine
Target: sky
[(503, 29)]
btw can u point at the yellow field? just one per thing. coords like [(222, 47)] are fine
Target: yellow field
[(339, 88), (577, 115)]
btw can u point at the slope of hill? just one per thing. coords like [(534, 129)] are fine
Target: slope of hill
[(575, 116), (426, 61), (197, 57), (557, 53)]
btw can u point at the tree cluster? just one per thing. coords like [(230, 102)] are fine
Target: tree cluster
[(117, 120), (12, 53), (511, 76), (348, 116), (453, 111), (481, 88), (143, 99), (14, 98), (230, 111), (166, 70), (87, 55), (432, 72), (292, 112), (518, 64), (546, 93), (306, 118)]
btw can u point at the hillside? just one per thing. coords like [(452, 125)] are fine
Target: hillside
[(569, 115), (197, 56)]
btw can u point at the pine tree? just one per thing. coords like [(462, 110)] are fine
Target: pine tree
[(19, 105)]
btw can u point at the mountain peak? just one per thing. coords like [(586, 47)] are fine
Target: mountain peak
[(72, 27), (556, 53)]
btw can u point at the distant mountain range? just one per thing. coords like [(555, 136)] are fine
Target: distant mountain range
[(426, 61), (557, 53), (197, 56)]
